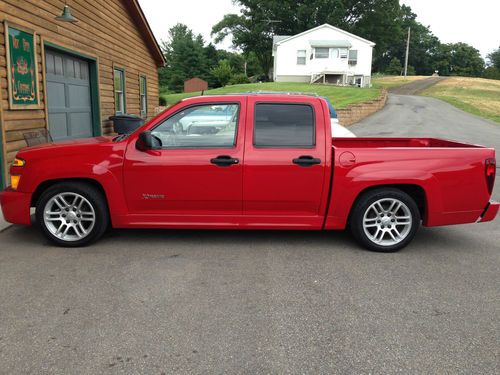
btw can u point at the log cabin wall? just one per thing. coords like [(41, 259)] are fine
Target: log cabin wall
[(107, 33)]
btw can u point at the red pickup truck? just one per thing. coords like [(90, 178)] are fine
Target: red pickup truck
[(250, 161)]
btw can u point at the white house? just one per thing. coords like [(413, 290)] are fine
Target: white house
[(325, 54)]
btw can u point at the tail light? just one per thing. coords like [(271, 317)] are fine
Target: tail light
[(490, 172)]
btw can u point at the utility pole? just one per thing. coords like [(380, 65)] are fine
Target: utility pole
[(407, 51)]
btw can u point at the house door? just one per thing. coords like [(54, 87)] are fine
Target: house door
[(68, 96)]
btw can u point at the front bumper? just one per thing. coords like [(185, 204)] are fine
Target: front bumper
[(490, 212), (16, 206)]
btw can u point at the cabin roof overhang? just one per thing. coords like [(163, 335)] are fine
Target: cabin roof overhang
[(140, 20)]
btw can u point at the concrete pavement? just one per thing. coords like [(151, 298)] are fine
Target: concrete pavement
[(3, 223)]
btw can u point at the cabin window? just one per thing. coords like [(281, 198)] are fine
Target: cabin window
[(143, 95), (301, 57), (200, 126), (321, 53), (119, 78), (284, 125)]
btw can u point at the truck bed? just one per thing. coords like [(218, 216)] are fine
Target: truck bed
[(449, 175), (399, 142)]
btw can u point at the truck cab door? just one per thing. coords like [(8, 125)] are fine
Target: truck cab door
[(194, 177), (287, 163)]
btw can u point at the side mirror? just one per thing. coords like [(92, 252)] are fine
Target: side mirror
[(145, 141)]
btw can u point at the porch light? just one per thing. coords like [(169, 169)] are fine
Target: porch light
[(66, 15)]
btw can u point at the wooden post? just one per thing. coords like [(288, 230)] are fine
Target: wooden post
[(407, 51)]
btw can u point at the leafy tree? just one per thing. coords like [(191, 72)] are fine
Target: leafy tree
[(395, 67), (493, 69), (464, 60), (185, 57), (494, 58), (223, 72), (491, 73), (423, 44)]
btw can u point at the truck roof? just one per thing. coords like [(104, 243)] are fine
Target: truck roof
[(257, 93)]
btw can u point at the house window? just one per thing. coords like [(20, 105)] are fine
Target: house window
[(343, 53), (321, 53), (119, 78), (301, 57), (353, 57), (335, 53), (143, 95)]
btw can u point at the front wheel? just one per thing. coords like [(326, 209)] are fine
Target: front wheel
[(384, 220), (72, 214)]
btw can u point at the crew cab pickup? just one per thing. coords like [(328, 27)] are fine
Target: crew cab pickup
[(250, 161)]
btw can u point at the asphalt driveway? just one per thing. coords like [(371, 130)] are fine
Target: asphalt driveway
[(192, 302), (421, 116)]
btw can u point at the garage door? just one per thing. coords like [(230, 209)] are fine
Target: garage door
[(68, 96)]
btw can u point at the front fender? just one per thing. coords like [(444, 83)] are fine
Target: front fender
[(108, 176)]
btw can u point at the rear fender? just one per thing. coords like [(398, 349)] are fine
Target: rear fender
[(343, 199)]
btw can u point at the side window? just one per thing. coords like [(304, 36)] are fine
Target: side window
[(301, 57), (143, 95), (201, 126), (284, 125), (119, 81), (353, 57)]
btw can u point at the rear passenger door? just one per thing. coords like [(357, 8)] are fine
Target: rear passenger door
[(284, 175)]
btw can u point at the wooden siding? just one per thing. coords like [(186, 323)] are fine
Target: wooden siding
[(105, 31)]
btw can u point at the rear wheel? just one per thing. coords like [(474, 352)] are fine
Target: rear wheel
[(384, 220), (72, 214)]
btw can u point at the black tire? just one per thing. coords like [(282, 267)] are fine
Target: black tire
[(94, 198), (363, 204)]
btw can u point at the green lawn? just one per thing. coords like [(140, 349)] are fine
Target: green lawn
[(341, 97), (478, 96)]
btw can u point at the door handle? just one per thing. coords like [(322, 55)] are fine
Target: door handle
[(224, 161), (306, 161)]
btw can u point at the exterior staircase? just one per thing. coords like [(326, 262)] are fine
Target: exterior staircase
[(315, 77)]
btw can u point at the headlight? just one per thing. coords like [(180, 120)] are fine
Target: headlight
[(18, 162)]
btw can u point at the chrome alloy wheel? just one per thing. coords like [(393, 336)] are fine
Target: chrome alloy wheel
[(69, 216), (387, 222)]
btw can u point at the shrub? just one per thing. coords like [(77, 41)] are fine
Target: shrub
[(239, 78)]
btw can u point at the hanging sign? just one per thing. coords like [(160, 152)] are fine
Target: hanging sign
[(22, 68)]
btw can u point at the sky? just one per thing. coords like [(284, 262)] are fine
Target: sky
[(474, 22)]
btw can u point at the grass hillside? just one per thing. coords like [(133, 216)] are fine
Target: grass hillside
[(339, 96), (386, 82), (478, 96)]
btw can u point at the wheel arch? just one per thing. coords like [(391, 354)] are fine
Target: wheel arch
[(83, 180), (416, 192)]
